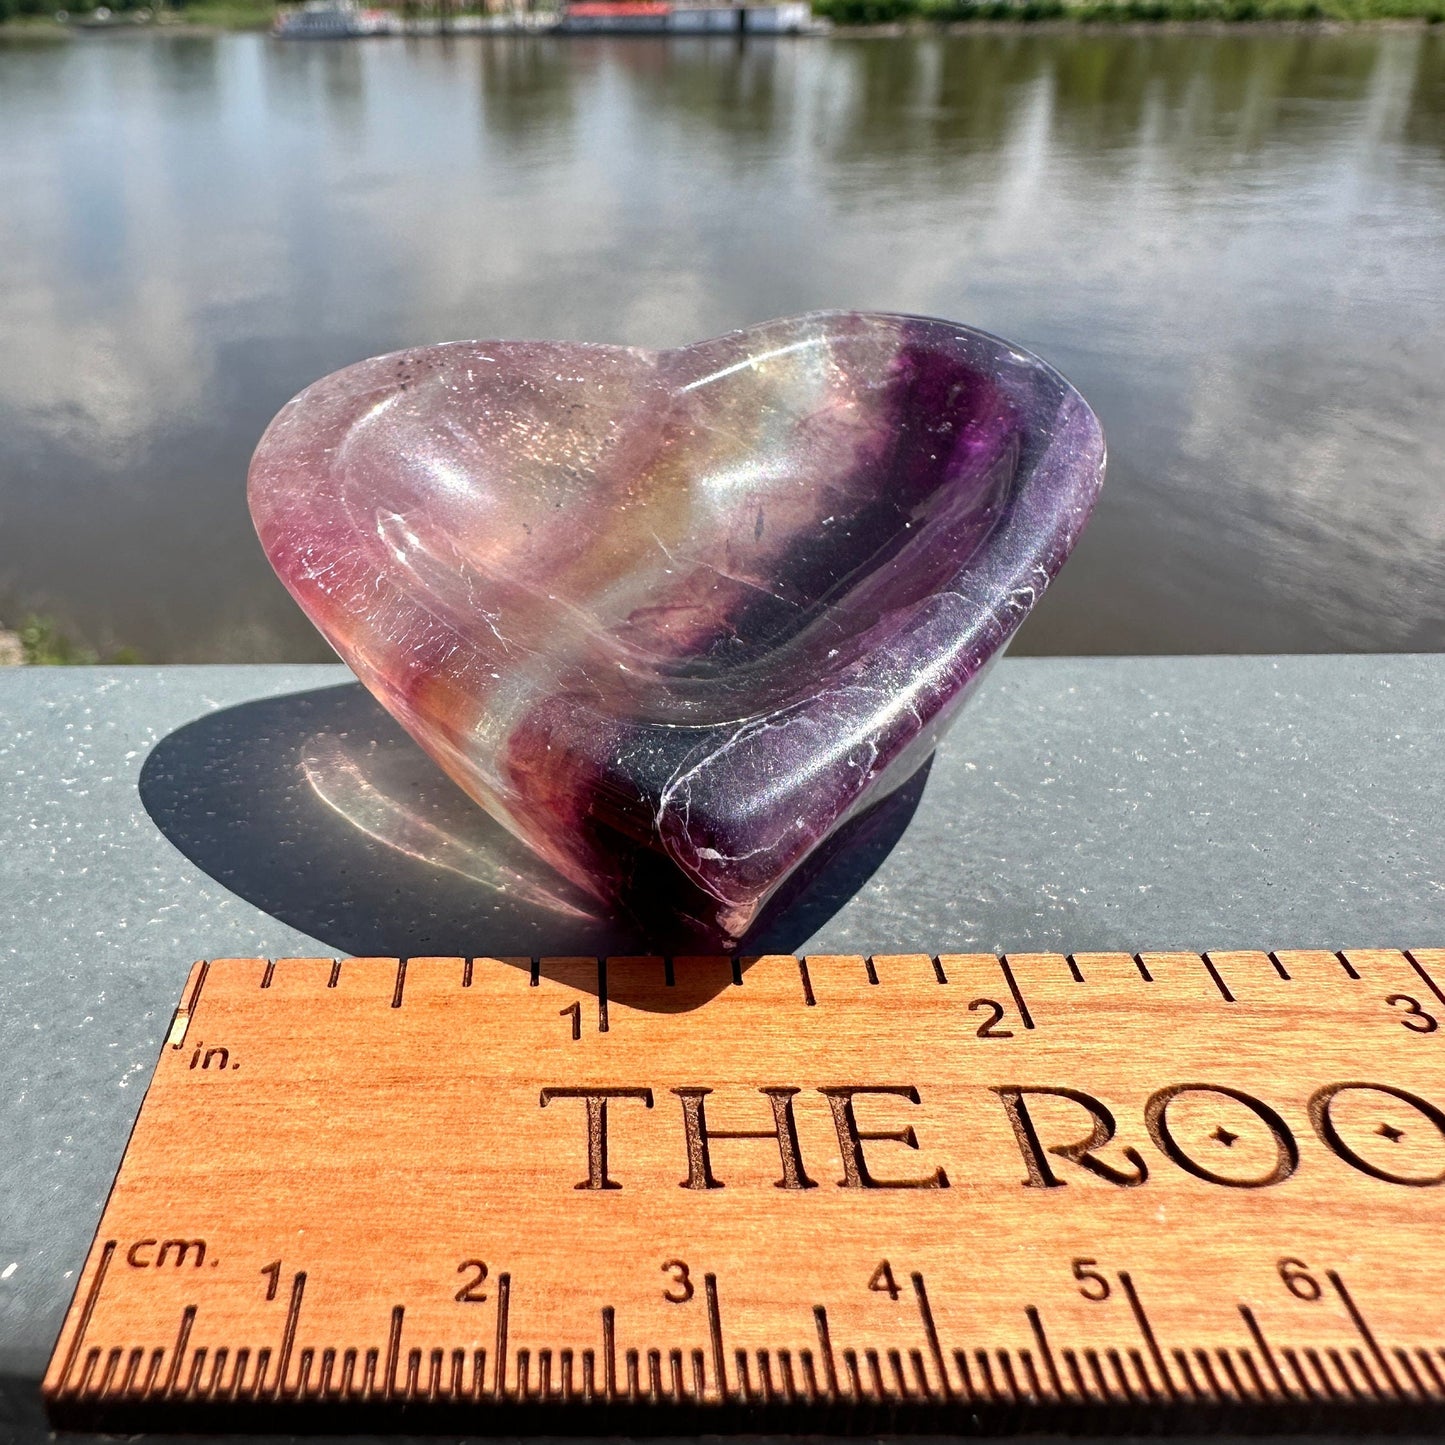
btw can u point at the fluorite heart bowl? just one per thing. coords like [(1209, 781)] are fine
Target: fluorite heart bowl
[(675, 617)]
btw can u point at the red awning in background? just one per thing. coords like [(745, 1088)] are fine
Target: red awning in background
[(607, 9)]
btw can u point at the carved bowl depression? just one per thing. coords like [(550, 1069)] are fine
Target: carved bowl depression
[(674, 617)]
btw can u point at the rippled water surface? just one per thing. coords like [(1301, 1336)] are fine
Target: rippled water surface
[(1232, 243)]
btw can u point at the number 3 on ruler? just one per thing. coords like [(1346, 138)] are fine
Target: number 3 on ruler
[(1413, 1016), (681, 1282)]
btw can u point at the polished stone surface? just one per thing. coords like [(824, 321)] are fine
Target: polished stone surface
[(673, 618)]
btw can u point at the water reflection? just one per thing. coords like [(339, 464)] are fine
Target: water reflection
[(1229, 241), (527, 95)]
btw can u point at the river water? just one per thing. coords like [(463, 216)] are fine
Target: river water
[(1233, 243)]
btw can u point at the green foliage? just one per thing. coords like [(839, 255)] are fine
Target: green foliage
[(865, 12), (46, 644), (36, 16), (25, 9), (226, 14), (872, 12)]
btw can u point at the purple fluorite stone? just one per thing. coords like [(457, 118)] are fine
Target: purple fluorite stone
[(674, 617)]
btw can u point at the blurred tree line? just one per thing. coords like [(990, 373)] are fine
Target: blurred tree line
[(883, 12)]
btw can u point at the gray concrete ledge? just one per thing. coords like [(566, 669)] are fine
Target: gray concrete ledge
[(157, 815)]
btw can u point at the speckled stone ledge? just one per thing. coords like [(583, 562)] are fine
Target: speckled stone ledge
[(158, 815)]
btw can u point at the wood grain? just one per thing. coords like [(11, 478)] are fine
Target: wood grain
[(942, 1191)]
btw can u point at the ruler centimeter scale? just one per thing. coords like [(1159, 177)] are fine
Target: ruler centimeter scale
[(948, 1192)]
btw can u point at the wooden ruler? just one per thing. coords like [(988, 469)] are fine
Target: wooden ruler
[(936, 1192)]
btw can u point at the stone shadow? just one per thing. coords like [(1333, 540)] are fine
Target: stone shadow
[(318, 808)]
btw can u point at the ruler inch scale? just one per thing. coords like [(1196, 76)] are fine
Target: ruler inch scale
[(959, 1192)]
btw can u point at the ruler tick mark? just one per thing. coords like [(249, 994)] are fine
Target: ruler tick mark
[(263, 1364), (335, 978), (1075, 972), (1291, 1358), (985, 1370), (1141, 1371), (1018, 996), (298, 1288), (1402, 1359), (1279, 968), (178, 1350), (1211, 1380), (1424, 976), (900, 1380), (875, 1374), (785, 1372), (825, 1345), (1143, 968), (88, 1311), (609, 1351), (1219, 982), (1366, 1333), (1260, 1389), (193, 1386), (1033, 1387), (938, 972), (1147, 1330), (268, 973), (400, 983), (1342, 1369), (1366, 1372), (186, 1012), (112, 1364), (960, 1363), (499, 1368), (1047, 1355), (1257, 1335), (715, 1334), (1312, 1359), (132, 1368), (807, 983), (1076, 1375), (601, 995), (1350, 970), (871, 971), (930, 1333), (92, 1359), (1181, 1363), (765, 1376), (1437, 1380)]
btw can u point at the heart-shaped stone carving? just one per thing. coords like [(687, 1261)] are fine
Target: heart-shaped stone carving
[(674, 617)]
